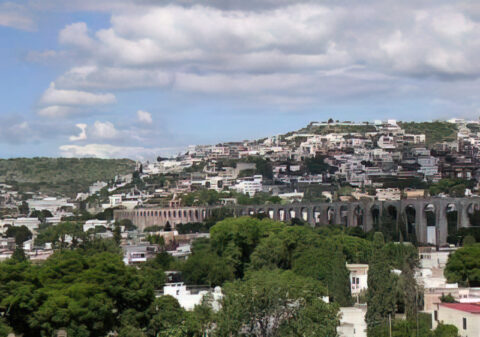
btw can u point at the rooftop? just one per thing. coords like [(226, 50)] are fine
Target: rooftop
[(473, 308)]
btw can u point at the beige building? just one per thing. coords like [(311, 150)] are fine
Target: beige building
[(465, 316)]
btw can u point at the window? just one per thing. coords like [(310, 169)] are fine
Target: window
[(464, 323), (435, 315)]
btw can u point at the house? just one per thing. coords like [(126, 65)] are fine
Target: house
[(358, 277), (188, 299), (465, 316)]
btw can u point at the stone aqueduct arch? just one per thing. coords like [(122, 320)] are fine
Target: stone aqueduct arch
[(365, 213)]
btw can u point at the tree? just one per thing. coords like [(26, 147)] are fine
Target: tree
[(327, 264), (127, 224), (235, 239), (19, 255), (445, 330), (463, 266), (168, 227), (447, 298), (207, 268), (380, 294), (166, 314), (85, 291), (21, 234), (276, 303), (23, 208), (468, 240), (117, 234)]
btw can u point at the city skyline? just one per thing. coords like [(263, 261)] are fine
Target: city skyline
[(134, 79)]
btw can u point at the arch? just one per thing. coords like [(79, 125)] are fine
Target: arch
[(251, 211), (331, 215), (451, 215), (184, 213), (281, 214), (317, 215), (292, 213), (174, 214), (304, 213), (271, 213), (204, 214), (190, 214), (344, 215), (196, 214), (375, 213), (392, 212), (429, 213), (410, 218), (358, 213)]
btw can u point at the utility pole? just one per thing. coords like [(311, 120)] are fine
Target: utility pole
[(390, 324)]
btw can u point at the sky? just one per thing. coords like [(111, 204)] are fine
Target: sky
[(142, 78)]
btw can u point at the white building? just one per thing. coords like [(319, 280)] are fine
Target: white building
[(92, 224), (50, 204), (358, 277), (187, 299), (352, 322), (249, 186)]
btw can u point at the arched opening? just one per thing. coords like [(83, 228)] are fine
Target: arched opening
[(430, 215), (304, 214), (204, 214), (251, 212), (344, 216), (196, 214), (281, 214), (375, 213), (331, 215), (271, 214), (451, 213), (473, 212), (358, 216), (410, 218), (292, 214), (317, 215)]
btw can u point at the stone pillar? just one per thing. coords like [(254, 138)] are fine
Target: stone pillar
[(441, 224), (420, 223)]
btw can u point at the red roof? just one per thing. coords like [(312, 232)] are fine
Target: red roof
[(473, 308)]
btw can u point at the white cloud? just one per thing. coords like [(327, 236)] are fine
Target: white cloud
[(82, 135), (16, 16), (55, 111), (104, 130), (110, 151), (144, 117), (54, 96)]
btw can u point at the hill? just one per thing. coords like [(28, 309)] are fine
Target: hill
[(65, 176)]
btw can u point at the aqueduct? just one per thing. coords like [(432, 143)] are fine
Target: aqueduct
[(427, 218)]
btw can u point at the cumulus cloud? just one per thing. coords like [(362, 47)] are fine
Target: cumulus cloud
[(54, 96), (104, 130), (282, 50), (83, 133), (111, 151), (144, 117), (16, 16)]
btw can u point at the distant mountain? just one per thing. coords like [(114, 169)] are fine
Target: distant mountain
[(65, 176)]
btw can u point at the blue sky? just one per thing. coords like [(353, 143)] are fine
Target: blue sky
[(135, 78)]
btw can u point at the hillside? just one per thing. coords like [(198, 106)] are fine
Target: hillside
[(65, 176), (435, 132)]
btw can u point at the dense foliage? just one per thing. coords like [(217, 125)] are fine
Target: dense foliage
[(60, 175), (463, 266)]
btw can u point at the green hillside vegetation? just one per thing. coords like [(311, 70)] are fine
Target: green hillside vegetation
[(435, 132), (65, 176), (323, 130)]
